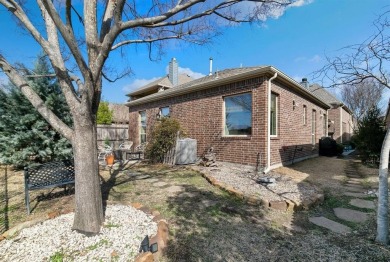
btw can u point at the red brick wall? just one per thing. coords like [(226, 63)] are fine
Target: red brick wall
[(292, 132), (341, 135), (201, 116)]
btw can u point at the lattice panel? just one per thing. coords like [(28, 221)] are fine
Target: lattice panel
[(50, 174)]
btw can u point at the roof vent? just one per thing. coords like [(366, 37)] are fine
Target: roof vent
[(173, 72), (211, 66), (305, 83)]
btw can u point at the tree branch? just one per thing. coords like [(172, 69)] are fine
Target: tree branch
[(143, 41), (35, 100), (68, 36)]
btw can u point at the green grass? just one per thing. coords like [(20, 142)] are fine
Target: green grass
[(111, 225), (102, 242), (57, 257)]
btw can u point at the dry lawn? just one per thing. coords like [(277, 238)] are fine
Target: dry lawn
[(206, 224)]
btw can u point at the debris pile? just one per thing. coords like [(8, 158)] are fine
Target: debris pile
[(209, 158)]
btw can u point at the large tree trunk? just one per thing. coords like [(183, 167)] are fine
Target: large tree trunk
[(88, 199), (383, 197)]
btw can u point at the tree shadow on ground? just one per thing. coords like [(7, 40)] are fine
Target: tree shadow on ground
[(210, 225)]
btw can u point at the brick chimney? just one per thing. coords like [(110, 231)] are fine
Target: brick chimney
[(173, 72)]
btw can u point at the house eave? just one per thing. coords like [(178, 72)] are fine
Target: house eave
[(217, 82)]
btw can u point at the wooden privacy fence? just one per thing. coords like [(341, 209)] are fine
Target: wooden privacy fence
[(115, 133)]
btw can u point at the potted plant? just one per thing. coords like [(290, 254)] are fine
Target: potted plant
[(110, 159)]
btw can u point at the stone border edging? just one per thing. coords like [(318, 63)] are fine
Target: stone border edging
[(284, 205), (161, 236)]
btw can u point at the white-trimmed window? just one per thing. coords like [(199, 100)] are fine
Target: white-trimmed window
[(142, 124), (304, 115), (164, 112), (274, 115), (313, 127), (238, 115), (325, 125)]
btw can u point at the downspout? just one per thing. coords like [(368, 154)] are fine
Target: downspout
[(341, 123), (269, 125)]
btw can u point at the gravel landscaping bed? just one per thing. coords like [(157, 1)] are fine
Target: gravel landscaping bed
[(244, 179), (119, 239)]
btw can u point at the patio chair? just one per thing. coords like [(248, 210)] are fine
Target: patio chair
[(126, 145), (141, 147)]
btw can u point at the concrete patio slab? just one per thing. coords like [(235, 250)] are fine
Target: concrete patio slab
[(350, 215), (330, 224), (362, 203)]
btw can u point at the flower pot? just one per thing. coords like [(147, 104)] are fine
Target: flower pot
[(110, 159)]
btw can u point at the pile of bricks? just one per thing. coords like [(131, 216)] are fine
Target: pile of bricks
[(209, 158)]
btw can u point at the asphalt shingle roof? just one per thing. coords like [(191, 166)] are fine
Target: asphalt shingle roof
[(324, 95)]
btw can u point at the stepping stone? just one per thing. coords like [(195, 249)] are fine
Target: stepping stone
[(355, 179), (353, 182), (350, 215), (362, 203), (330, 224), (354, 189), (354, 194), (174, 189), (142, 177), (190, 194), (160, 184), (207, 203)]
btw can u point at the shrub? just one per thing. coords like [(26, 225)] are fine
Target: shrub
[(339, 149), (369, 136), (327, 147), (104, 114), (162, 139)]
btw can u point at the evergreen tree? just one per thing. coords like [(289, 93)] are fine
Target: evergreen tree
[(25, 136), (104, 114), (370, 134)]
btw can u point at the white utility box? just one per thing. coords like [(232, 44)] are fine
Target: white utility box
[(186, 151)]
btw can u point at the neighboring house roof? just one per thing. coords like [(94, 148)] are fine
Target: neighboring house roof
[(120, 113), (225, 77), (327, 97), (324, 95), (161, 82)]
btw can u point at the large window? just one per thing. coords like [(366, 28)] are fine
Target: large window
[(274, 115), (238, 114), (142, 131)]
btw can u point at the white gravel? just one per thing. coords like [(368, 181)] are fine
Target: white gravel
[(119, 239), (243, 178)]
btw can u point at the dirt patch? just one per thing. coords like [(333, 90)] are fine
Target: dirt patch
[(325, 172)]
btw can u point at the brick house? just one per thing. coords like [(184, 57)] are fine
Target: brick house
[(341, 122), (255, 115)]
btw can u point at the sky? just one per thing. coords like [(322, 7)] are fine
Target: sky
[(296, 42)]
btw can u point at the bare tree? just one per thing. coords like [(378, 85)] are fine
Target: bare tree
[(83, 45), (369, 60), (362, 97)]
